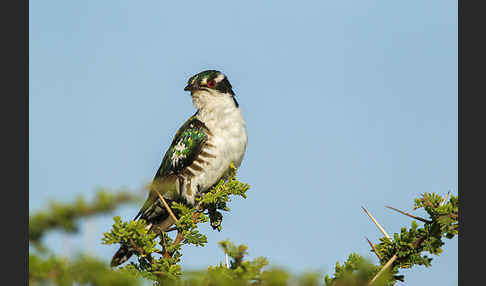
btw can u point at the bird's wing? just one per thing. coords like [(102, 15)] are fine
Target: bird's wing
[(185, 148)]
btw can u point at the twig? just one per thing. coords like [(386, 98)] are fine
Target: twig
[(180, 236), (140, 251), (171, 229), (162, 241), (376, 223), (426, 202), (419, 241), (374, 249), (410, 215), (167, 207)]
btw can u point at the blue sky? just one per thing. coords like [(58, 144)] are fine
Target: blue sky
[(347, 103)]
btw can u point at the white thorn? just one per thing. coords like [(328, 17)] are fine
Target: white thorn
[(377, 224), (445, 199)]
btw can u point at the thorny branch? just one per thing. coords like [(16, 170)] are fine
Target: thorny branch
[(140, 251)]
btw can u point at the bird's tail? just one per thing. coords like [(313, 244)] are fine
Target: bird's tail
[(123, 254)]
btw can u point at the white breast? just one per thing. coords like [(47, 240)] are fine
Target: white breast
[(226, 143)]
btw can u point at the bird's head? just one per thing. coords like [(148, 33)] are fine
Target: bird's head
[(210, 86)]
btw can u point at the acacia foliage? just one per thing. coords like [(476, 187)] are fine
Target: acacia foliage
[(46, 268), (159, 255), (66, 216), (407, 248)]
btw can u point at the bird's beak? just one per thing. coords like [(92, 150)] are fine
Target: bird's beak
[(191, 87), (188, 87)]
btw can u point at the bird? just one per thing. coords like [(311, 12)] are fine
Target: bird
[(200, 153)]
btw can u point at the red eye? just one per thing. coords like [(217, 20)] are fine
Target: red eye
[(211, 83)]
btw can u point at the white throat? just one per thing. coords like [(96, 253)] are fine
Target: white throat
[(214, 106)]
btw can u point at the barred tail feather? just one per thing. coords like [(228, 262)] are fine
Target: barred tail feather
[(121, 256), (125, 252)]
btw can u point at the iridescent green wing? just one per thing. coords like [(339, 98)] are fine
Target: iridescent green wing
[(185, 147)]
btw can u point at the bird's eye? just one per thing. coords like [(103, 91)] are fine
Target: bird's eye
[(212, 83)]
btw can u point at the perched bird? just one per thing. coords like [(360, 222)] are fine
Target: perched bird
[(200, 153)]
